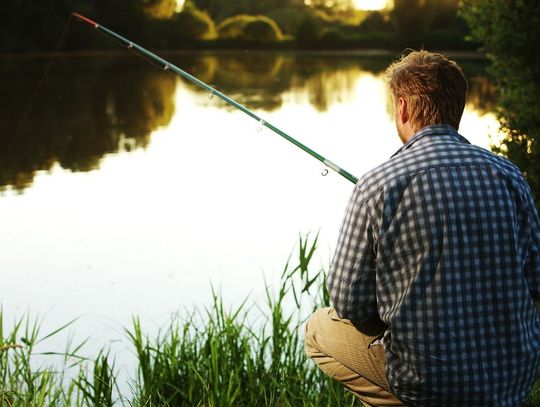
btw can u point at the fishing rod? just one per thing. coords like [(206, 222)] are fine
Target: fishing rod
[(167, 66)]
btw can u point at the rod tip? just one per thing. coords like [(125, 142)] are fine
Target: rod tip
[(85, 19)]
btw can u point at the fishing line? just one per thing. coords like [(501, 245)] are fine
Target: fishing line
[(25, 117), (46, 73)]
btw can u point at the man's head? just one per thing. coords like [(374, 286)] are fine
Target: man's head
[(428, 88)]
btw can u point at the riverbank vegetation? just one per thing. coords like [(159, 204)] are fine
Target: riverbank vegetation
[(248, 355), (515, 71), (34, 25)]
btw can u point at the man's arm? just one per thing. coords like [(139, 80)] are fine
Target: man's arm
[(351, 281)]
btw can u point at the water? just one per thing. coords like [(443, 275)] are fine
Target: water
[(127, 191)]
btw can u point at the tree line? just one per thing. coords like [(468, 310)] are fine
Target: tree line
[(35, 25)]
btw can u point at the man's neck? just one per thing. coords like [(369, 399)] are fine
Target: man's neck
[(405, 133)]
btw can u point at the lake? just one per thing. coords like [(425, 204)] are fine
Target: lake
[(128, 191)]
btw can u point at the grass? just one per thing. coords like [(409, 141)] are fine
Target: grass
[(230, 361), (249, 355)]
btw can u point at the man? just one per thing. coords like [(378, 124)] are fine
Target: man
[(437, 264)]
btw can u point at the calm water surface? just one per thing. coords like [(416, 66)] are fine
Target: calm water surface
[(127, 191)]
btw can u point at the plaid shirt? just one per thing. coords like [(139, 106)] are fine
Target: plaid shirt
[(442, 242)]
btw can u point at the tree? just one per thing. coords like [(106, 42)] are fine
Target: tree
[(125, 16), (193, 24), (222, 9), (250, 28), (412, 17), (331, 6), (161, 9), (509, 31), (263, 29), (308, 31), (33, 24), (375, 21)]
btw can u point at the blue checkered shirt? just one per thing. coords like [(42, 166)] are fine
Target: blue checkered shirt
[(442, 242)]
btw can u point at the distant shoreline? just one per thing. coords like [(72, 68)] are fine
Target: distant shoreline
[(363, 53)]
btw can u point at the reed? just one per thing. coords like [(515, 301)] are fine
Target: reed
[(21, 382), (247, 355), (222, 358)]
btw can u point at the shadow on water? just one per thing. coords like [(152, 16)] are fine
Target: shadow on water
[(91, 106)]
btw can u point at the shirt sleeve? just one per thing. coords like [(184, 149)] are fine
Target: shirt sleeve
[(351, 280)]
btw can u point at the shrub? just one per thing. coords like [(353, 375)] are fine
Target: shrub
[(288, 18), (333, 37), (445, 39), (250, 28), (375, 22), (261, 30), (193, 24), (308, 31)]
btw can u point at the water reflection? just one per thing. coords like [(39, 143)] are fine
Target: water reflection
[(93, 106), (482, 95), (85, 110)]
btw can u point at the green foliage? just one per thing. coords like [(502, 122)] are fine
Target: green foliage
[(96, 388), (412, 17), (508, 32), (192, 24), (250, 28), (263, 30), (288, 18), (159, 9), (445, 17), (445, 39), (34, 24), (332, 6), (534, 398), (333, 37), (219, 10), (309, 30), (126, 16), (375, 21), (21, 383)]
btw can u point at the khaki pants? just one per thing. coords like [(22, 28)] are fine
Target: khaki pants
[(347, 355)]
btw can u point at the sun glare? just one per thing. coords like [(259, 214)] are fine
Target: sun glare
[(370, 4)]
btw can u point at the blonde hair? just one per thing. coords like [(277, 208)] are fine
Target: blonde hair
[(433, 86)]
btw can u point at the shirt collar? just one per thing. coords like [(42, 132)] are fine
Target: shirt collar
[(443, 131)]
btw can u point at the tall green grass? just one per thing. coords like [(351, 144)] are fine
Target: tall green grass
[(36, 378), (248, 355), (224, 358)]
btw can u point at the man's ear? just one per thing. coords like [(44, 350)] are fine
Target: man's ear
[(403, 110)]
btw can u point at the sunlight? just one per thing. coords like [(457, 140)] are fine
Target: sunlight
[(371, 4)]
